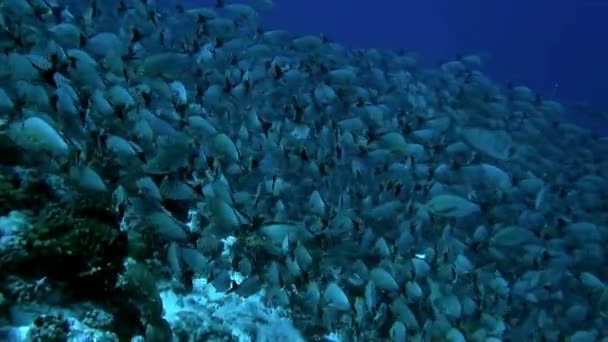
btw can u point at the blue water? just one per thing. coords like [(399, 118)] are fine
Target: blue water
[(557, 47)]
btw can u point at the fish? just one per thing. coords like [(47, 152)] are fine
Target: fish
[(359, 192)]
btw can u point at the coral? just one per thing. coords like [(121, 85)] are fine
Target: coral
[(98, 319), (49, 328), (278, 330), (140, 282), (139, 286), (75, 243), (192, 326), (208, 315), (81, 332), (78, 244), (17, 192), (57, 328), (70, 241), (11, 249)]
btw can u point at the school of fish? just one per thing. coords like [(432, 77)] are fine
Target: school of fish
[(365, 195)]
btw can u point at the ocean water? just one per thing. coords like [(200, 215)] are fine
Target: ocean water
[(555, 47)]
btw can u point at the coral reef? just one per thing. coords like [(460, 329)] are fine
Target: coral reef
[(73, 245)]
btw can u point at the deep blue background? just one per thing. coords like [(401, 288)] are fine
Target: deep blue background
[(557, 47)]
